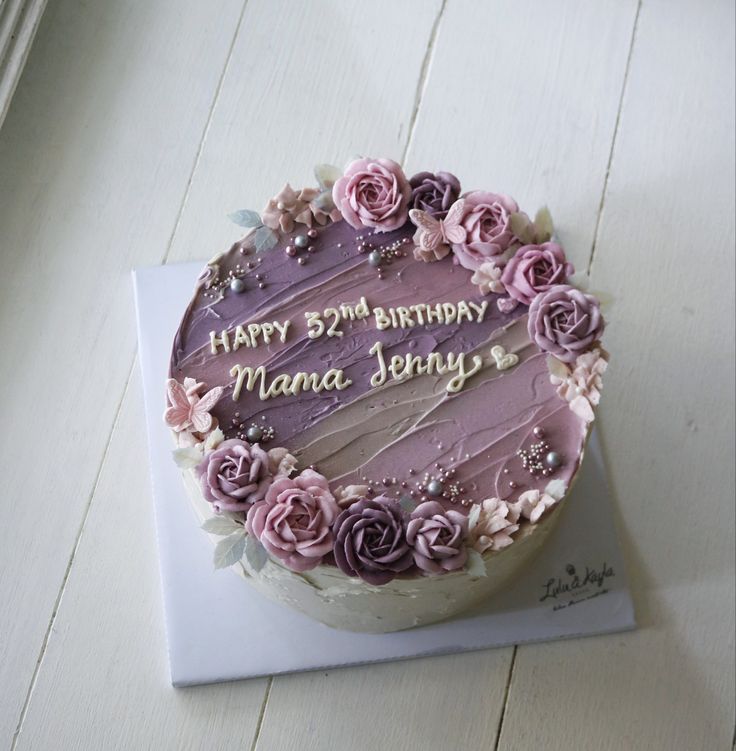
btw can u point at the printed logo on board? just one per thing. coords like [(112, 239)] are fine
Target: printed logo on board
[(576, 585)]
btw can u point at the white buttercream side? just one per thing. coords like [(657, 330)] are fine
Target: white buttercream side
[(342, 602)]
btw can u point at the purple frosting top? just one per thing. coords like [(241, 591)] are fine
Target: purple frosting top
[(400, 435)]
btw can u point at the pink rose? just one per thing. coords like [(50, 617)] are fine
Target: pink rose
[(534, 269), (234, 475), (565, 322), (373, 193), (293, 521), (437, 538), (487, 222)]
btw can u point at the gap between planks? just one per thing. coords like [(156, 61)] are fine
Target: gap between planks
[(604, 192), (422, 81), (67, 572), (118, 410)]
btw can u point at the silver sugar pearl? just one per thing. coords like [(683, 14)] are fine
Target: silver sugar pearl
[(553, 459), (375, 258), (237, 285), (435, 488), (254, 434), (301, 241), (538, 432)]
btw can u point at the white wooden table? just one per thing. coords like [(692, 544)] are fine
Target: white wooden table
[(138, 125)]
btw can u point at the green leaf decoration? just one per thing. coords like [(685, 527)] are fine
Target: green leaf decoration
[(476, 566), (543, 226), (407, 503), (264, 239), (522, 228), (229, 550), (246, 218), (324, 201), (221, 525), (327, 175), (255, 553)]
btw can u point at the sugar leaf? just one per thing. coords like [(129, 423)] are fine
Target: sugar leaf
[(264, 239), (229, 550), (543, 225), (221, 525), (475, 565), (473, 516), (522, 227), (407, 503), (255, 553), (187, 457), (245, 218), (327, 175)]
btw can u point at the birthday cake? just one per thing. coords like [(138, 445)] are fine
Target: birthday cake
[(381, 395)]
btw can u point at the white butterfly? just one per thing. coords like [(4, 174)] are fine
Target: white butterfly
[(434, 236), (187, 409)]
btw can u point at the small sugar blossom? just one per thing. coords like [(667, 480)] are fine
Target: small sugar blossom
[(580, 385), (496, 522), (533, 503), (487, 277)]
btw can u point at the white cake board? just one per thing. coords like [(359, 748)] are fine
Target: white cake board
[(220, 629)]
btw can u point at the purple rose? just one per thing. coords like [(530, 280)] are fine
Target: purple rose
[(235, 475), (565, 322), (373, 193), (370, 540), (434, 193), (534, 269), (294, 520), (487, 222), (437, 537)]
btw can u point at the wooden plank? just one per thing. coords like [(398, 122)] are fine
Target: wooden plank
[(104, 682), (94, 157), (447, 702), (84, 679), (499, 136), (665, 253), (522, 99), (341, 82)]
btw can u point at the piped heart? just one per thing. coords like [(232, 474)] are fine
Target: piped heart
[(504, 360)]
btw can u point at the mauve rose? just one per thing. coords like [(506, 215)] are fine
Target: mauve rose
[(370, 540), (373, 193), (235, 475), (293, 521), (534, 269), (565, 321), (434, 193), (437, 537), (487, 221)]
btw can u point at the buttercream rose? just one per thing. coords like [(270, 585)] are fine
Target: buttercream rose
[(370, 540), (487, 223), (434, 193), (294, 520), (565, 321), (235, 475), (373, 193), (534, 269), (437, 538)]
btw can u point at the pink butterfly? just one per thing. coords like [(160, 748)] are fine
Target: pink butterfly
[(434, 236), (186, 408)]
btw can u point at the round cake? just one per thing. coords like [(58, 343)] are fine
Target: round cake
[(381, 395)]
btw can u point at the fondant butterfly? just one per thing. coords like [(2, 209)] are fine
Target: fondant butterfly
[(187, 409), (434, 236)]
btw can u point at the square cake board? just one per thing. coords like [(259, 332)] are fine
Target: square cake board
[(220, 629)]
